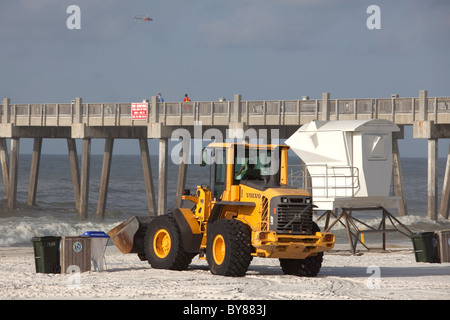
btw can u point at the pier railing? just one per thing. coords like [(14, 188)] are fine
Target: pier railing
[(403, 111)]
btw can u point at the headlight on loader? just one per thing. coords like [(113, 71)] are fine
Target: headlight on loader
[(329, 237)]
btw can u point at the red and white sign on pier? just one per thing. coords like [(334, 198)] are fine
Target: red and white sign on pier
[(139, 111)]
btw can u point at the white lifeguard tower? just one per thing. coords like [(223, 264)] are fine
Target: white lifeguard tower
[(350, 165)]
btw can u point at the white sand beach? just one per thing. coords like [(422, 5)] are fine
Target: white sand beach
[(393, 275)]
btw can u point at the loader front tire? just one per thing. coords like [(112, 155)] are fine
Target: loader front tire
[(228, 248), (308, 267), (163, 245)]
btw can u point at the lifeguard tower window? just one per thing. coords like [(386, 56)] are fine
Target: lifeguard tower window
[(377, 146)]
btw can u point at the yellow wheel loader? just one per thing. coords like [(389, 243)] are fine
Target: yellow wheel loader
[(247, 211)]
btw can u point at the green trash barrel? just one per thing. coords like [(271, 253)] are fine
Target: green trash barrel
[(425, 247), (46, 254)]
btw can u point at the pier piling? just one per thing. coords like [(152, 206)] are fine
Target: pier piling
[(5, 165), (182, 172), (445, 198), (34, 171), (13, 172), (84, 181), (148, 177), (75, 170), (162, 178), (104, 180)]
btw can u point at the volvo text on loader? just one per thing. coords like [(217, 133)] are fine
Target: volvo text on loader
[(247, 211)]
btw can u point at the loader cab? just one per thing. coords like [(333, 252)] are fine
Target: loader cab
[(234, 164)]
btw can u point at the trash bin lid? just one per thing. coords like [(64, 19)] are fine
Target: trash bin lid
[(419, 235), (45, 239), (95, 234)]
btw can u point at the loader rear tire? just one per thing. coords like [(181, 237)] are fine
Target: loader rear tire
[(228, 248), (163, 245), (308, 267)]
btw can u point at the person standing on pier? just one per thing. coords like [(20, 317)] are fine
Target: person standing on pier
[(187, 106), (160, 98)]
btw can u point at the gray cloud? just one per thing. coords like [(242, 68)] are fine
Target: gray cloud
[(268, 24), (317, 25)]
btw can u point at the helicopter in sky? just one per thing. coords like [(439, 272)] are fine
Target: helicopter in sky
[(143, 18)]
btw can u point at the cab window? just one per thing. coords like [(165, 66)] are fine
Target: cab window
[(251, 164), (218, 173)]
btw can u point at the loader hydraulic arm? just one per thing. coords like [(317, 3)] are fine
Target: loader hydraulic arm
[(202, 200)]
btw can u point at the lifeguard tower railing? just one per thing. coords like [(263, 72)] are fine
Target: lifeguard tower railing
[(326, 181)]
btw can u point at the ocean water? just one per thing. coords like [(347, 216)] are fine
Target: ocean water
[(55, 214)]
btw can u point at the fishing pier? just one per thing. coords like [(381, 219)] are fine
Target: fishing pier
[(429, 116)]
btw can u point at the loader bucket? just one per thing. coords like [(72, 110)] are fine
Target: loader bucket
[(128, 236)]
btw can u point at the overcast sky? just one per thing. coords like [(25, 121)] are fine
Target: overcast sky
[(262, 49)]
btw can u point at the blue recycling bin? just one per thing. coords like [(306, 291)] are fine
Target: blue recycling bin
[(99, 240), (95, 234)]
